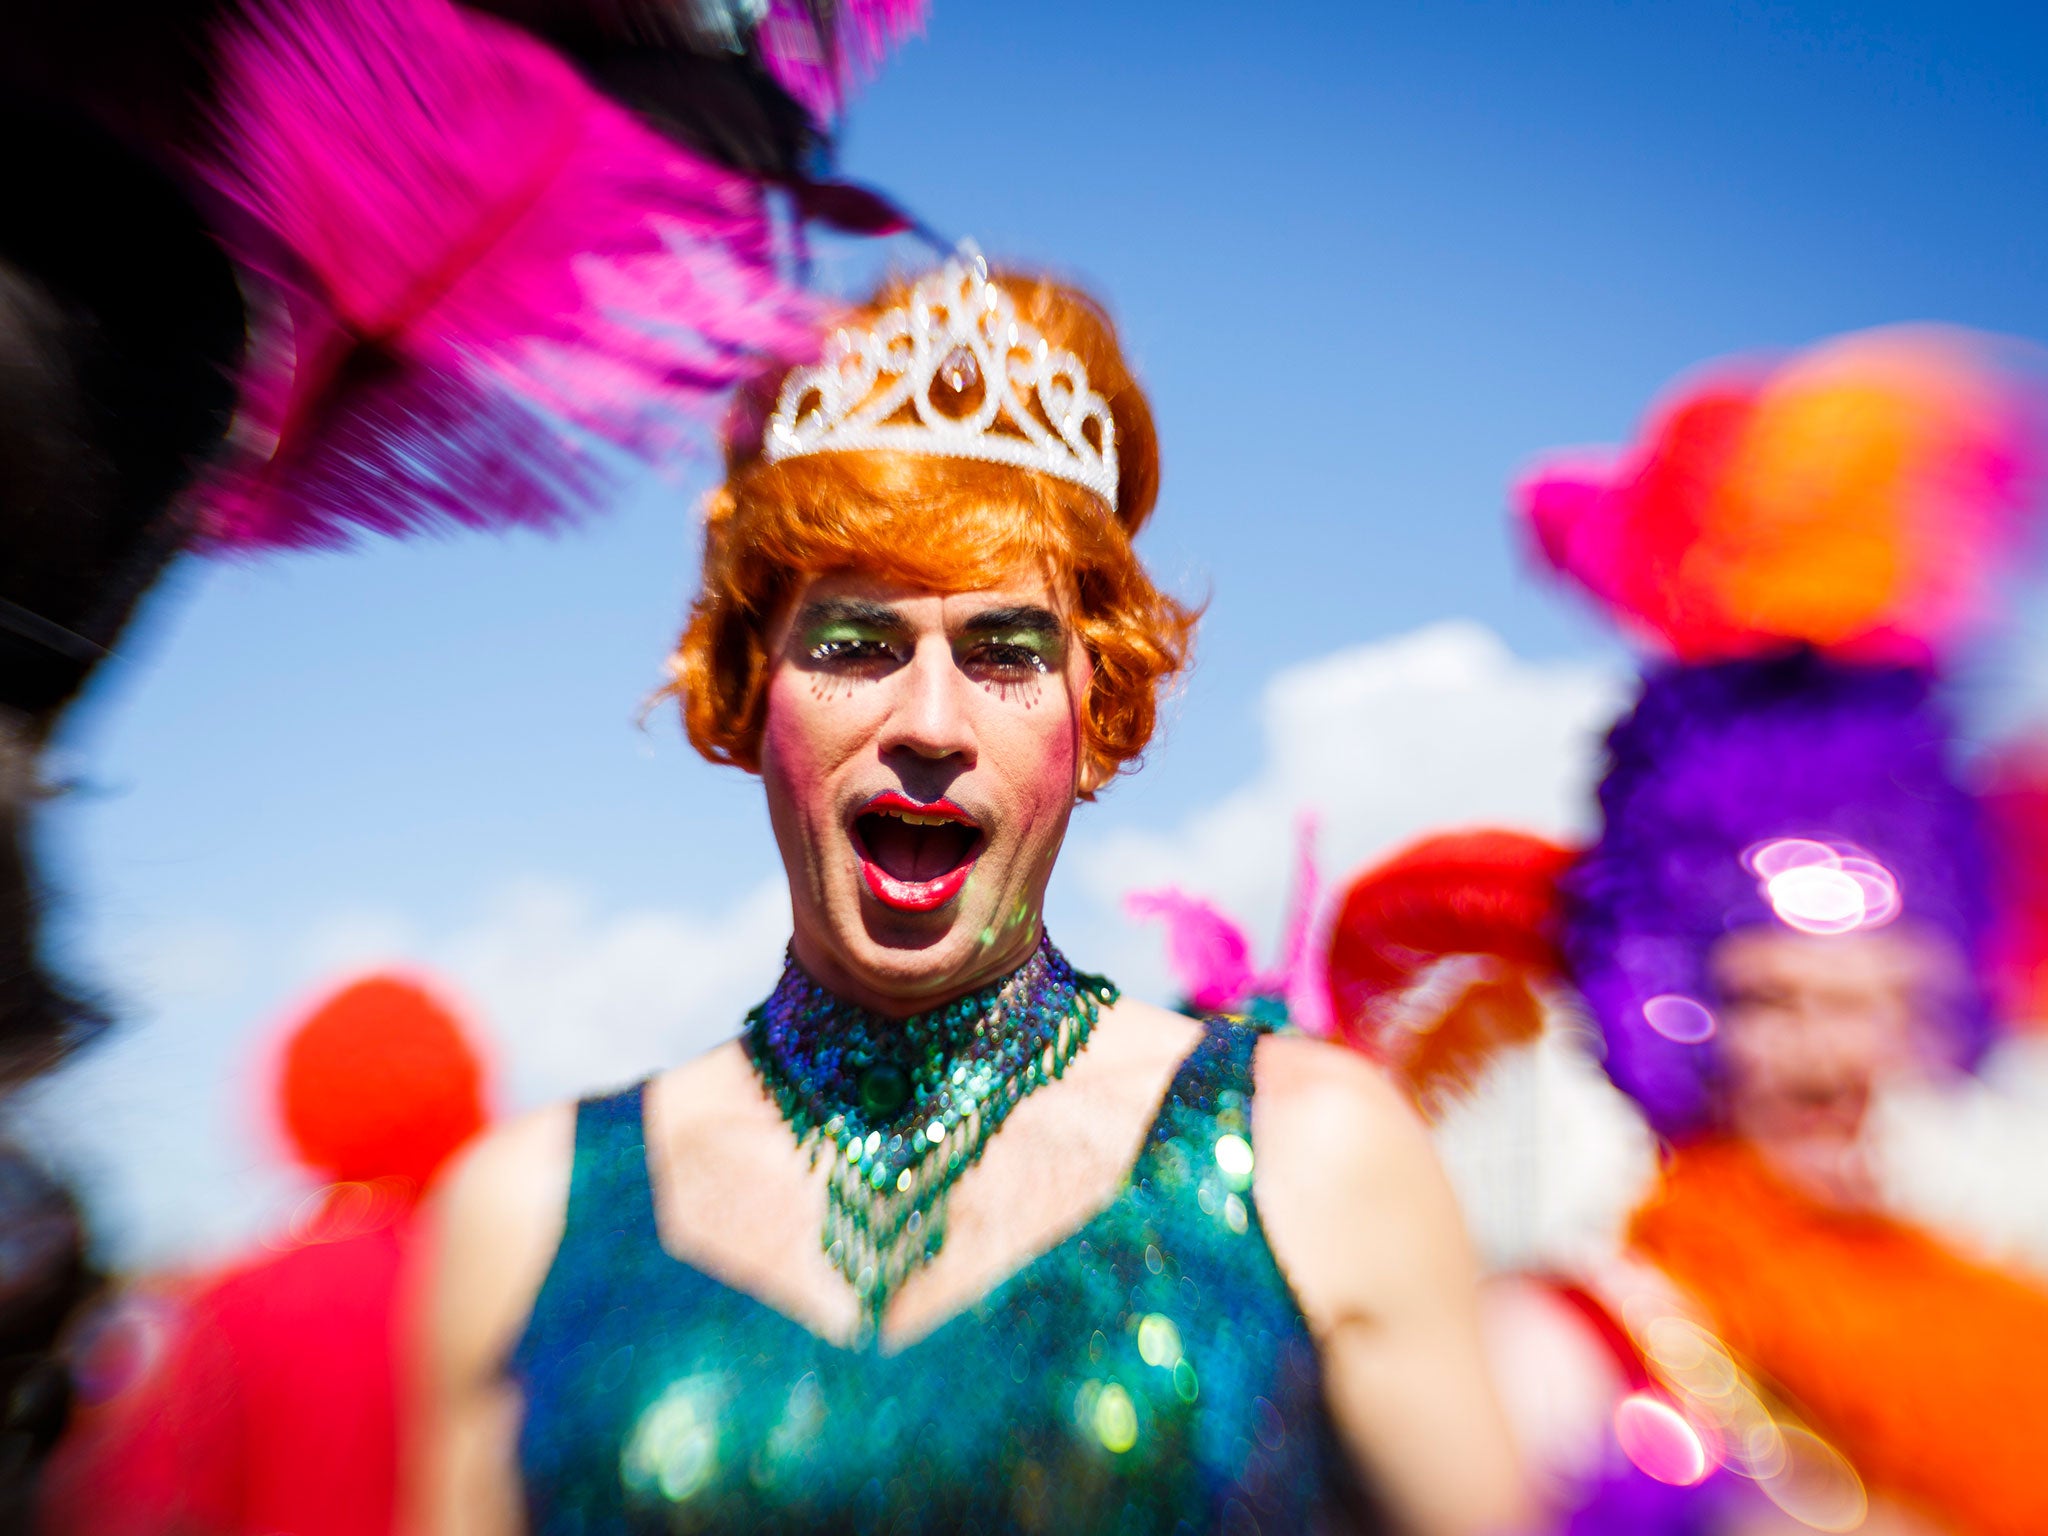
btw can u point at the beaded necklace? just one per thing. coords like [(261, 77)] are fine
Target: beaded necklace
[(904, 1107)]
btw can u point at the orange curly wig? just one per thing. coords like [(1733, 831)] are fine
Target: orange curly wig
[(945, 525)]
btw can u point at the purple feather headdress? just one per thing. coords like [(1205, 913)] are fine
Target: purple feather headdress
[(1844, 765)]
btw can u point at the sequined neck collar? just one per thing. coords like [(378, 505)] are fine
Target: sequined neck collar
[(903, 1107)]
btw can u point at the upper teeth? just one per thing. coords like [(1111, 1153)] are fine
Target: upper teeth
[(916, 819)]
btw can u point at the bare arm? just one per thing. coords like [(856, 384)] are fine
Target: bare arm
[(1364, 1222), (488, 1237)]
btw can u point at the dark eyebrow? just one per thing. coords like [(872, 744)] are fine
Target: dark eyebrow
[(846, 610), (1023, 616)]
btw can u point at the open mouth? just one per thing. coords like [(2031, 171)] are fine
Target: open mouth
[(914, 857)]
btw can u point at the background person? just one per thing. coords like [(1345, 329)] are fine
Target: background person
[(1785, 915), (262, 1396)]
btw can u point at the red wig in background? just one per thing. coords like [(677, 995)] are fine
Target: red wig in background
[(1438, 955), (269, 1401), (1860, 497)]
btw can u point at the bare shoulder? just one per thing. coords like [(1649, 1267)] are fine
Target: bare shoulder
[(506, 1198), (1362, 1221), (708, 1094), (1348, 1185), (513, 1181), (1330, 1101), (492, 1225)]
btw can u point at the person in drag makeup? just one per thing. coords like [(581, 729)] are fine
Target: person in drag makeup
[(954, 1236), (1801, 903)]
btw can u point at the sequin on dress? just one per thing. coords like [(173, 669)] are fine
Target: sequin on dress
[(1152, 1372)]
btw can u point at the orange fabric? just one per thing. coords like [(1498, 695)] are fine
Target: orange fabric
[(1929, 1372)]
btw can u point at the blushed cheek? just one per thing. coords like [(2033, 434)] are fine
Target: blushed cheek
[(802, 731), (794, 757), (1053, 781), (1746, 1069)]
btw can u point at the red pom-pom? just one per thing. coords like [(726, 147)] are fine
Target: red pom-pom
[(1437, 956), (380, 1081)]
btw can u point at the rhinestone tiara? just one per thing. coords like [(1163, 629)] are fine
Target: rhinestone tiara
[(951, 372)]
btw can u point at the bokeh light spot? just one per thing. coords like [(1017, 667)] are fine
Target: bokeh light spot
[(1774, 858), (1880, 890), (1660, 1441), (1236, 1215), (1234, 1157), (1116, 1419), (1819, 889), (674, 1447), (1816, 899), (1816, 1486), (1159, 1341), (1679, 1018)]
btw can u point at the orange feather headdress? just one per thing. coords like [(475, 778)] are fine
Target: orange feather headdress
[(1857, 497)]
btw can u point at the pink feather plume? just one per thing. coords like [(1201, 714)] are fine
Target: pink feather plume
[(1211, 956), (1209, 953), (822, 73), (491, 279)]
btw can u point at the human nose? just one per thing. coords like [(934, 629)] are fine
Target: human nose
[(931, 719)]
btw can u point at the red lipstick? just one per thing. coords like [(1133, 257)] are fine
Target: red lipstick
[(915, 856)]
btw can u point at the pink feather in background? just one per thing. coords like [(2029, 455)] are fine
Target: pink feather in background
[(489, 278), (864, 31), (1211, 956)]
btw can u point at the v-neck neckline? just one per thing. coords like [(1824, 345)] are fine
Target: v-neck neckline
[(1208, 1040)]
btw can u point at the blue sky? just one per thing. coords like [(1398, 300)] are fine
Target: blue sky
[(1368, 257)]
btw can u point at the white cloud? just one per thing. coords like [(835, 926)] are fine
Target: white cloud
[(342, 942), (578, 1001), (183, 962), (1384, 741), (165, 1122), (1964, 1158), (1440, 728), (1445, 727)]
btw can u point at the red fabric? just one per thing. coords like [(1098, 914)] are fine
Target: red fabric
[(274, 1411), (1489, 894), (2016, 802)]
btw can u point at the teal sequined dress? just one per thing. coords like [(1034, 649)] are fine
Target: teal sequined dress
[(1150, 1373)]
